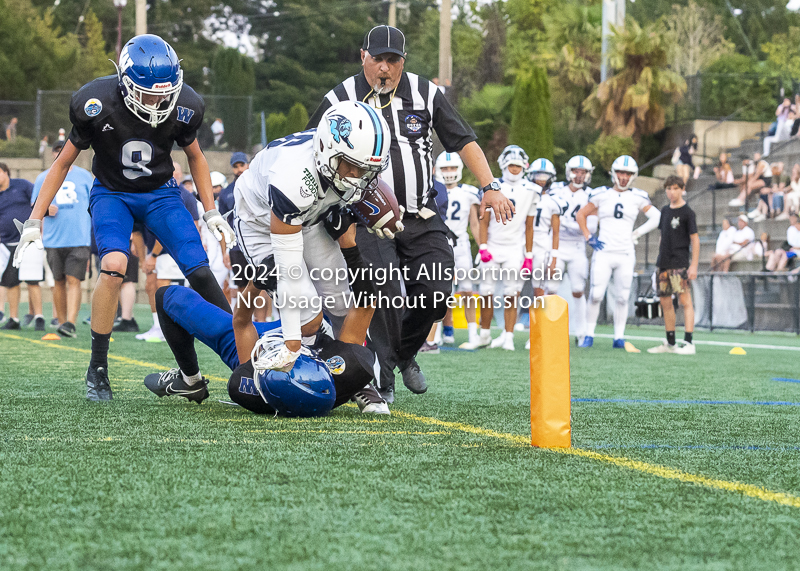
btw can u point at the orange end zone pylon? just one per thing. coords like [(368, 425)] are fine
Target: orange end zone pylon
[(550, 392)]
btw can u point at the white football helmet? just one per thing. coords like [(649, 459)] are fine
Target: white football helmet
[(512, 155), (218, 179), (579, 162), (625, 163), (449, 160), (352, 131), (541, 172)]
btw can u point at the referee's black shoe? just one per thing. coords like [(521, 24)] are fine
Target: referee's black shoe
[(97, 385), (413, 378), (171, 383)]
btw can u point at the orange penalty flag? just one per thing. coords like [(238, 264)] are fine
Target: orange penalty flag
[(550, 393)]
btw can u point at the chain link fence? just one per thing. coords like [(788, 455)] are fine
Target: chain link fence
[(50, 113)]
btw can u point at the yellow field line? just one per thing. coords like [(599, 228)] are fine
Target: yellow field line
[(620, 461)]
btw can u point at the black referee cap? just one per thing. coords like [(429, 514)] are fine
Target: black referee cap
[(385, 39)]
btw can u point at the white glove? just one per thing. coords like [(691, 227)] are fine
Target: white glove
[(282, 360), (386, 233), (30, 233), (635, 237), (219, 227)]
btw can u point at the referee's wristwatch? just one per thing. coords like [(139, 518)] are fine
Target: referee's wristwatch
[(494, 185)]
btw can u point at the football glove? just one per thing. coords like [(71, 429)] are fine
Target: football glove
[(337, 222), (385, 232), (219, 227), (30, 233), (281, 360), (485, 254), (595, 242), (527, 265)]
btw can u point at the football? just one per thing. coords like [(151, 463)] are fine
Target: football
[(378, 209)]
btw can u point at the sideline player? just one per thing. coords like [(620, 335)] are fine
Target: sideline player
[(282, 199), (132, 120), (185, 316), (572, 246), (678, 233), (462, 212), (617, 209), (501, 248), (545, 227)]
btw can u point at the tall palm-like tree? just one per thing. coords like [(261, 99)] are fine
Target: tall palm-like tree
[(632, 102)]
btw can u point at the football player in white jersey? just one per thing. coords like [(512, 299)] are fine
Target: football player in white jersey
[(463, 201), (572, 245), (545, 227), (502, 248), (283, 198), (617, 209)]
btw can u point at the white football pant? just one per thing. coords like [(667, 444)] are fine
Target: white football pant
[(604, 267)]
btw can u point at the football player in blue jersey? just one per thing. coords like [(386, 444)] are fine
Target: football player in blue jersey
[(132, 120)]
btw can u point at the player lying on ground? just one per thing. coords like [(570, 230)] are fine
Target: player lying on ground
[(184, 316), (132, 120)]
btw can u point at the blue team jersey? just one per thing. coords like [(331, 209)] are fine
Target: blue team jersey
[(15, 202), (71, 227)]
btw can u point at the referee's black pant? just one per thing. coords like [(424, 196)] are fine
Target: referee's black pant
[(396, 334)]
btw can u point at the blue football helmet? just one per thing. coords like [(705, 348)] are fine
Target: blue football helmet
[(305, 390), (150, 78)]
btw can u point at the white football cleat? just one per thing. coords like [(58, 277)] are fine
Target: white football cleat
[(685, 349), (498, 341), (508, 344), (448, 339), (478, 341), (663, 348), (152, 333), (370, 401)]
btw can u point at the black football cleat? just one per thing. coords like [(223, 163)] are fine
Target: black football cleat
[(126, 326), (97, 385), (171, 383), (413, 378)]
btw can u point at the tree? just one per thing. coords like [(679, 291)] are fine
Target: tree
[(695, 38), (631, 103), (531, 121), (783, 54), (488, 111), (233, 81), (297, 119)]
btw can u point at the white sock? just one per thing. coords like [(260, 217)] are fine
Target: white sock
[(38, 315), (156, 324), (486, 333), (437, 336), (193, 379), (620, 319), (472, 329), (580, 315), (592, 313)]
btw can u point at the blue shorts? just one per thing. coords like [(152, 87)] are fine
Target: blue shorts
[(790, 255), (207, 323), (161, 211)]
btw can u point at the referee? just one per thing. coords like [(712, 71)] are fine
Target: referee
[(414, 108)]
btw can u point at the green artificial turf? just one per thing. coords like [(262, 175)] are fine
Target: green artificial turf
[(148, 483)]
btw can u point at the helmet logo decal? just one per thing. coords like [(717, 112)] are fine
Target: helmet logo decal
[(93, 107), (341, 129)]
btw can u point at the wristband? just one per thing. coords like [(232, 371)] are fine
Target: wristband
[(483, 247), (529, 255)]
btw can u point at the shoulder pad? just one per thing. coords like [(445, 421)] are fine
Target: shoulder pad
[(640, 192)]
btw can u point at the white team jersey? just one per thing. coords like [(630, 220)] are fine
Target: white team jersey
[(547, 207), (525, 196), (617, 212), (570, 231), (460, 200), (283, 179)]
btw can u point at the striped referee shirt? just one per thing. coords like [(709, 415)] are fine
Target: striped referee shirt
[(417, 109)]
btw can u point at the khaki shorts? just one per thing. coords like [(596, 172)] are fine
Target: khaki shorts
[(673, 282)]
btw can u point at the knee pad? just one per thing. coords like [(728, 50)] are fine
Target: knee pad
[(113, 274)]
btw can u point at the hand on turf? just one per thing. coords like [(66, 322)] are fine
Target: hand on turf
[(219, 227), (30, 233), (595, 243)]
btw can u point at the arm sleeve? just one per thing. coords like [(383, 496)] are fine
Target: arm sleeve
[(188, 133), (453, 131), (288, 252)]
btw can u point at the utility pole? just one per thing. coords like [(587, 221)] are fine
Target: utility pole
[(445, 56), (613, 14), (141, 17), (393, 13)]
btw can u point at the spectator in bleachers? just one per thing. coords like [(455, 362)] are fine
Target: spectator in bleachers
[(790, 249), (784, 126), (791, 195), (723, 172), (685, 165), (768, 194), (756, 174), (218, 129), (67, 237), (724, 241)]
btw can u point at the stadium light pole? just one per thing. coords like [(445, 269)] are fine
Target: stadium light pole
[(120, 5), (445, 57), (613, 14)]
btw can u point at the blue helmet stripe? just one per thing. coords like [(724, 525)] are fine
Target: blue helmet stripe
[(376, 122)]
